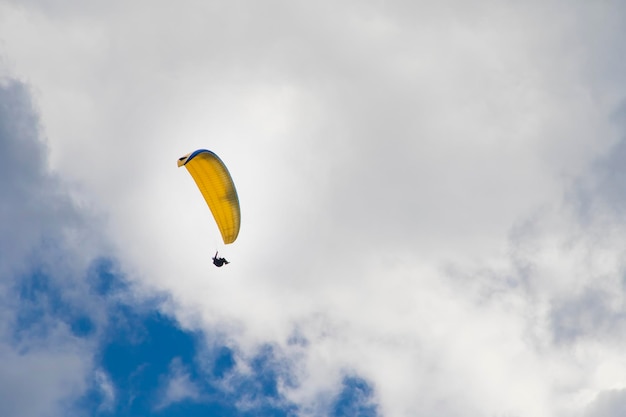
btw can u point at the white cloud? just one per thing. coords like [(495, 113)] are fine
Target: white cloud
[(107, 390), (403, 170), (42, 363), (611, 403), (177, 386), (37, 382)]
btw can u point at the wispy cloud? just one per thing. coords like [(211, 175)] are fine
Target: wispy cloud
[(177, 386), (107, 390)]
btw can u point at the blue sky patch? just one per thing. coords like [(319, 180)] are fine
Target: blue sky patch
[(148, 365), (355, 399)]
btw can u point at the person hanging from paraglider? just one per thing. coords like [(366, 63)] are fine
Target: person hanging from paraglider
[(219, 261)]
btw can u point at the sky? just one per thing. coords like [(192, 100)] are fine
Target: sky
[(432, 197)]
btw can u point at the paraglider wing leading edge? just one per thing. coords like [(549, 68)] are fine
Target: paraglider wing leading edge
[(217, 188)]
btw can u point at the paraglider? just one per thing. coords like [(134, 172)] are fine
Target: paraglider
[(217, 188), (219, 261)]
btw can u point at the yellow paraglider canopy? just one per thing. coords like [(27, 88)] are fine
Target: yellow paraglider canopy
[(217, 188)]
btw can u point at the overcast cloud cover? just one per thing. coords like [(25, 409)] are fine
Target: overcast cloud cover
[(433, 199)]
